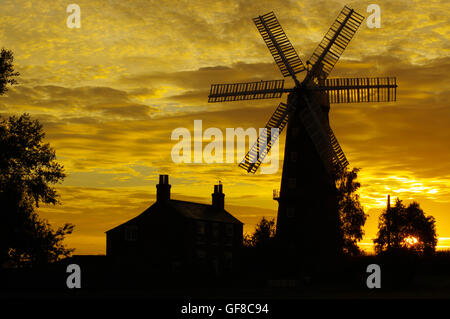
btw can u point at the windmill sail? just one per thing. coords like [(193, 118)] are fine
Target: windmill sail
[(246, 91), (279, 45), (335, 41), (323, 137), (356, 90), (339, 159), (263, 144)]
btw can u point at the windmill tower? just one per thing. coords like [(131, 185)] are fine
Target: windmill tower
[(308, 220)]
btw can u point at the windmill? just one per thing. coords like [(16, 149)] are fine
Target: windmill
[(307, 212)]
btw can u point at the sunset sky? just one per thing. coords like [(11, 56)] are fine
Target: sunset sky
[(110, 93)]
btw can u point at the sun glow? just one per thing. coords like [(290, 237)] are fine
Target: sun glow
[(410, 241)]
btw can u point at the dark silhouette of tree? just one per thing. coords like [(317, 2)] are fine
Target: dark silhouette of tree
[(260, 251), (421, 227), (351, 212), (407, 228), (263, 235), (7, 73), (27, 170), (390, 228)]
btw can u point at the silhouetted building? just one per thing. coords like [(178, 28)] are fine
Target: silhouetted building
[(178, 235)]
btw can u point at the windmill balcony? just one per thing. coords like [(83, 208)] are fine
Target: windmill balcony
[(276, 194)]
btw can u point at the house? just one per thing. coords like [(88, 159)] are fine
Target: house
[(174, 235)]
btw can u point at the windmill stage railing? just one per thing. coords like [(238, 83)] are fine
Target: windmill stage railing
[(276, 194)]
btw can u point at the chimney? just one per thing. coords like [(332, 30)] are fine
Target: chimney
[(388, 202), (218, 197), (163, 189)]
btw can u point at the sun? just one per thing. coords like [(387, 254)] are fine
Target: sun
[(410, 241)]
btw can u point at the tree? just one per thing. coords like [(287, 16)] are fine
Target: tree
[(28, 168), (351, 213), (402, 227), (7, 73), (260, 251), (420, 227), (263, 235), (390, 228)]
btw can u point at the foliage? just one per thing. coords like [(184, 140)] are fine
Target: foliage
[(263, 235), (351, 213), (7, 73), (28, 167), (400, 223), (39, 243)]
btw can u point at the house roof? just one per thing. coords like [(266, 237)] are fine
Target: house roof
[(203, 212), (190, 210)]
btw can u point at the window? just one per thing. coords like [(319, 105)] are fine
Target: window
[(201, 228), (228, 260), (291, 182), (290, 212), (229, 229), (176, 265), (131, 233), (215, 231), (215, 264), (200, 254), (294, 156)]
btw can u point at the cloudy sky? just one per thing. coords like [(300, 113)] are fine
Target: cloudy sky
[(111, 92)]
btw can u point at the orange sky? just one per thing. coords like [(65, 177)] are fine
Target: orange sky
[(110, 93)]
